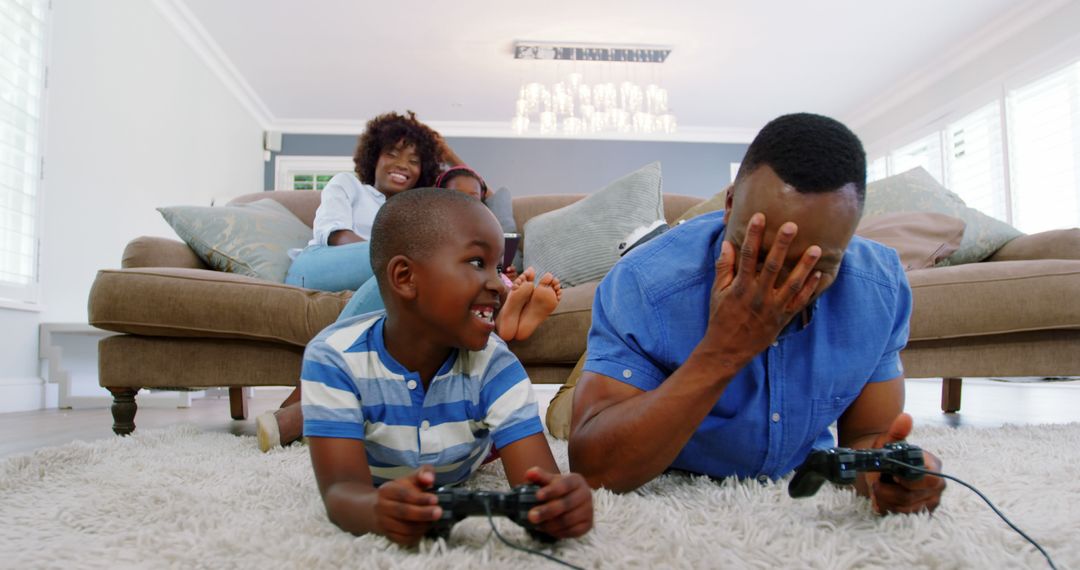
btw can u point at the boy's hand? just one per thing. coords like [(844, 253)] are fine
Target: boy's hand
[(903, 496), (403, 510), (567, 509)]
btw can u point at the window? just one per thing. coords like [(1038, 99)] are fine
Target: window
[(925, 152), (876, 169), (1044, 137), (974, 161), (308, 172), (22, 85), (1016, 158)]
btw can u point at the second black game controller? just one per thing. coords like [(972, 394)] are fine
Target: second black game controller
[(840, 465), (458, 504)]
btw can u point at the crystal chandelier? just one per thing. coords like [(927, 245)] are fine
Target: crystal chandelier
[(572, 107)]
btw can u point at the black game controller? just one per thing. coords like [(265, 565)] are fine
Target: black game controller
[(460, 503), (840, 464)]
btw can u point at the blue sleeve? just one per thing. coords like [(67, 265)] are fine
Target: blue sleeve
[(335, 211), (329, 397), (889, 366), (625, 338), (507, 401)]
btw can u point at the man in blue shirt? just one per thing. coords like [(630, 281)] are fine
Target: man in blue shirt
[(728, 345)]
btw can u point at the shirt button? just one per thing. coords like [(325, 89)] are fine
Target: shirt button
[(763, 479), (776, 416), (626, 373), (775, 343), (425, 424), (411, 384)]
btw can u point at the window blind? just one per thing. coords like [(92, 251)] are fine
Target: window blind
[(22, 81), (975, 163), (1044, 141)]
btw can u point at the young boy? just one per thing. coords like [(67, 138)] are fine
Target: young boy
[(399, 403)]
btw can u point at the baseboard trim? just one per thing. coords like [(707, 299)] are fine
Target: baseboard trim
[(26, 394)]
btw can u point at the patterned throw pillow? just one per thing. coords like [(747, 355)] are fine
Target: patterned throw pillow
[(579, 243), (249, 239), (917, 191)]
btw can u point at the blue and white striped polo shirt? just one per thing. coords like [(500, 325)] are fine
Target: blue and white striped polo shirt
[(353, 388)]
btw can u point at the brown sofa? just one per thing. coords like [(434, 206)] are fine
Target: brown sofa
[(188, 327)]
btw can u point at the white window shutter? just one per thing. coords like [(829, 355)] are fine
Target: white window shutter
[(22, 83), (975, 164), (1044, 143)]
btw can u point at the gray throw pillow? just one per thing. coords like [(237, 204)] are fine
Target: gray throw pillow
[(580, 242), (249, 239), (917, 191), (501, 203)]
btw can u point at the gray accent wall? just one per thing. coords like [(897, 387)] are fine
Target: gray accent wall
[(560, 166)]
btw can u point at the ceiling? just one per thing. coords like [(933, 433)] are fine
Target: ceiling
[(734, 64)]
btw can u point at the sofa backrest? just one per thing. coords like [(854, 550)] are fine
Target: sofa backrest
[(303, 203), (527, 207)]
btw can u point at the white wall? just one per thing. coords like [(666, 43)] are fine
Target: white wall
[(134, 120), (1036, 49)]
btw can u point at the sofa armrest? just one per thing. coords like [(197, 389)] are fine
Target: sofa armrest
[(1053, 244), (147, 251)]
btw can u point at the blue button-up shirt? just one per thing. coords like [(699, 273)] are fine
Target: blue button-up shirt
[(651, 310)]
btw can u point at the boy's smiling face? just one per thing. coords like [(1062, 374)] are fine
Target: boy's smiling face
[(458, 285)]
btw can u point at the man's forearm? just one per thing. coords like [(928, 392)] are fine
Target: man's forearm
[(629, 443)]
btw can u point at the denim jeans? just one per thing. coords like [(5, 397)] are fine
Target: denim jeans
[(331, 268), (366, 299)]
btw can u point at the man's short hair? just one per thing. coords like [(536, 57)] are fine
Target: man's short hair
[(812, 153), (412, 223)]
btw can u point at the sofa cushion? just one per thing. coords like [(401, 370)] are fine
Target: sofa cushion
[(994, 298), (579, 243), (249, 239), (922, 239), (179, 302), (917, 191)]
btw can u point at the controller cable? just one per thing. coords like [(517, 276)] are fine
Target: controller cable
[(487, 509), (983, 497)]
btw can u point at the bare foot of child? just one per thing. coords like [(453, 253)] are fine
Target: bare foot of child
[(280, 427), (506, 323), (545, 297)]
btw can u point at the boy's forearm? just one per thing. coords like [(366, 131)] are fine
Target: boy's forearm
[(351, 506)]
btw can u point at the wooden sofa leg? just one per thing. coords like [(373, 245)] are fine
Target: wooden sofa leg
[(123, 410), (950, 394), (238, 403)]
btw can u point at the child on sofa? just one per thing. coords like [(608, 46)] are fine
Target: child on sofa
[(397, 403)]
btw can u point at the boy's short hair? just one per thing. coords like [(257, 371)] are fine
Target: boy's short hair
[(812, 153), (412, 223), (389, 129)]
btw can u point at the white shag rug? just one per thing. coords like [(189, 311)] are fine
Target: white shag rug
[(187, 499)]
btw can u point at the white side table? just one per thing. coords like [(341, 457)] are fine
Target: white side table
[(76, 379)]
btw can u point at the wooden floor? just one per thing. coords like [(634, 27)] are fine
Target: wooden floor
[(986, 403)]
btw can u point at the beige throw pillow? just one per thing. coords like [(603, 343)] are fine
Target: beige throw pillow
[(923, 239)]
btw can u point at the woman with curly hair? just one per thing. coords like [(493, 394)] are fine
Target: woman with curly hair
[(395, 153)]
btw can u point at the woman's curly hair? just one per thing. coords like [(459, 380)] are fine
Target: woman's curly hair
[(386, 131)]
